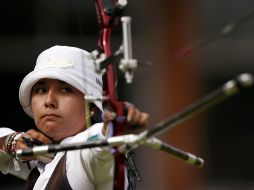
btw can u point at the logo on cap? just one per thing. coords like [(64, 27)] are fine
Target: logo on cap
[(59, 62)]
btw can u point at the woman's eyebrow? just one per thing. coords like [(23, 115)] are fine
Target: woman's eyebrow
[(40, 82), (62, 82)]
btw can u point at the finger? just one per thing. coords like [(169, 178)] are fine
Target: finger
[(20, 144), (36, 135), (32, 132), (136, 117), (108, 115), (144, 120), (131, 114)]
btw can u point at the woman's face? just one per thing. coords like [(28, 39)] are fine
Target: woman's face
[(58, 109)]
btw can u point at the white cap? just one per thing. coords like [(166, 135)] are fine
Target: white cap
[(69, 64)]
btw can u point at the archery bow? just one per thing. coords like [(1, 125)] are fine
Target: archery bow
[(108, 15)]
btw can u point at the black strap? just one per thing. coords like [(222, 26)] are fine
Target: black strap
[(58, 179), (32, 178)]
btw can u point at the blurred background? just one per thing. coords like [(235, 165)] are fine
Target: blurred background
[(223, 136)]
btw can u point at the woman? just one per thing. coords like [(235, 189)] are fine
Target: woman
[(53, 95)]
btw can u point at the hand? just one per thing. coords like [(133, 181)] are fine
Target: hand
[(30, 139), (136, 119)]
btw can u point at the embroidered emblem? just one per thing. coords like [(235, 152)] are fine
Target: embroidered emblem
[(59, 62), (93, 138)]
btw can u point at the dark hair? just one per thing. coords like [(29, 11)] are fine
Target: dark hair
[(97, 116)]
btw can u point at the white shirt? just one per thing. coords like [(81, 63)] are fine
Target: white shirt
[(87, 168)]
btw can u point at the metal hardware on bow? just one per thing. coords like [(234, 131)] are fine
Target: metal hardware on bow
[(127, 64), (91, 98)]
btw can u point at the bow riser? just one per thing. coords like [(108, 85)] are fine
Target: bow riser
[(107, 22)]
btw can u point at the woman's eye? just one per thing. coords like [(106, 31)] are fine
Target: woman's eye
[(66, 89), (39, 90)]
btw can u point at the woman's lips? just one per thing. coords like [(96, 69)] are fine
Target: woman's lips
[(50, 115)]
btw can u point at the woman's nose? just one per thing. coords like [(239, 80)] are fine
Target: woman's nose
[(50, 99)]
